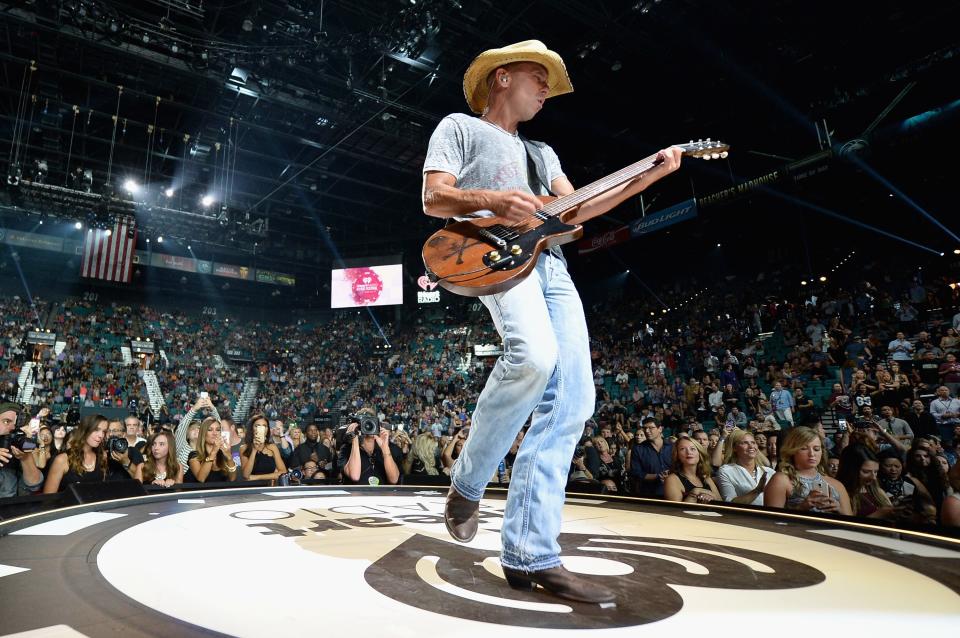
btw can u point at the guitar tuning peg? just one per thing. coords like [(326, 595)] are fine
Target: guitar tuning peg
[(708, 139), (700, 141), (691, 142), (707, 156), (715, 156), (723, 155)]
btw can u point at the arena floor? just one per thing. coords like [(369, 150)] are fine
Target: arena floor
[(378, 562)]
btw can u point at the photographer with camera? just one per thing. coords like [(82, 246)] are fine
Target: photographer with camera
[(124, 461), (19, 474), (367, 457)]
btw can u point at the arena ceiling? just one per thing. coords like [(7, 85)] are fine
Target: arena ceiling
[(308, 120)]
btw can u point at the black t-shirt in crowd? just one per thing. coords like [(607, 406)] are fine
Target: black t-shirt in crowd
[(302, 454), (929, 372), (371, 466), (115, 471)]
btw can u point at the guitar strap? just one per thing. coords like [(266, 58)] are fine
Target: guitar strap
[(536, 177)]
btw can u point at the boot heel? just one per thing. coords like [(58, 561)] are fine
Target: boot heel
[(519, 580)]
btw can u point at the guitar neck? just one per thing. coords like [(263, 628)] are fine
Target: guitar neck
[(600, 186), (704, 149)]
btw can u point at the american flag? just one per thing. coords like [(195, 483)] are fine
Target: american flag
[(109, 255)]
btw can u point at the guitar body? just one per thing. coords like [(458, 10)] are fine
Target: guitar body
[(459, 255)]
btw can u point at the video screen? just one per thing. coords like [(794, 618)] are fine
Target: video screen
[(366, 286)]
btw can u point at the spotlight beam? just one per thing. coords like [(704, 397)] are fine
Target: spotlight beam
[(903, 196), (830, 213)]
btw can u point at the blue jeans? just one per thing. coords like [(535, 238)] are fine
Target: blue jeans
[(545, 370)]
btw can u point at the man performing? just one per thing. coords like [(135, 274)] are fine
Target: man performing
[(477, 167)]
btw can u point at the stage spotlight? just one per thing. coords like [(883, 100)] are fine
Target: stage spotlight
[(78, 225), (628, 271), (160, 239), (718, 245), (956, 251), (169, 191), (207, 200), (803, 283), (131, 187), (822, 278), (109, 232), (189, 247)]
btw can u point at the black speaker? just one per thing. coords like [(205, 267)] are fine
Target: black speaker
[(80, 493)]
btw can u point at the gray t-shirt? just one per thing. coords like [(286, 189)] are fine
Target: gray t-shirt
[(481, 155)]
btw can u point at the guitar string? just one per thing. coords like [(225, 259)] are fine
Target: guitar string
[(585, 193)]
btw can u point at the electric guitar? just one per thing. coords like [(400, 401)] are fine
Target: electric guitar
[(485, 255)]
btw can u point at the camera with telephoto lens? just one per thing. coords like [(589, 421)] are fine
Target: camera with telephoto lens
[(117, 444), (369, 424), (291, 476), (19, 440)]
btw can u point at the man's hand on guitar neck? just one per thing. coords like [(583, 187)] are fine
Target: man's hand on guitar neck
[(513, 206), (671, 162)]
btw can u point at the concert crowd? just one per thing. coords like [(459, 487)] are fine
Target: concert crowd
[(837, 400)]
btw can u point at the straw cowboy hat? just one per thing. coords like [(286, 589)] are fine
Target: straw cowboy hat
[(475, 88)]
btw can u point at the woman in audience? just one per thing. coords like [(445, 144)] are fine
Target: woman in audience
[(160, 465), (211, 461), (282, 443), (422, 459), (689, 480), (453, 447), (260, 457), (923, 469), (605, 467), (950, 512), (950, 342), (745, 472), (85, 459), (801, 482), (44, 452), (185, 429), (859, 468), (295, 434), (770, 449), (59, 440)]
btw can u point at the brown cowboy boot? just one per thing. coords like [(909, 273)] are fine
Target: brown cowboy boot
[(461, 516), (560, 582)]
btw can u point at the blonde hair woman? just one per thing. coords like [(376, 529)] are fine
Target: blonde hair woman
[(690, 466), (211, 460), (745, 470), (422, 459), (802, 482)]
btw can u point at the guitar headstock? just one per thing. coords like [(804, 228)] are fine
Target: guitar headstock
[(705, 149)]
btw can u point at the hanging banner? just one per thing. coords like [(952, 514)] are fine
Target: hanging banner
[(663, 218), (607, 239)]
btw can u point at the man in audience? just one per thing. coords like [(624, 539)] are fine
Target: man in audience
[(946, 412), (901, 350), (920, 421), (311, 450), (650, 461), (19, 474), (121, 465), (949, 373), (131, 425), (897, 427), (782, 403)]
